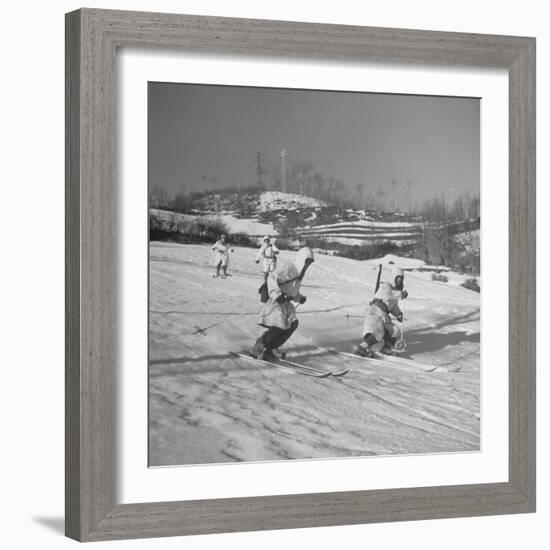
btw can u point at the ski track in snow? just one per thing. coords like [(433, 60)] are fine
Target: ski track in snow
[(207, 406)]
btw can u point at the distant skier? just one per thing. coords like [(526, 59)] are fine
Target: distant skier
[(221, 257), (379, 331), (278, 314), (268, 256)]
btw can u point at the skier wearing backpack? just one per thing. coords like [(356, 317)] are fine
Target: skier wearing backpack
[(380, 333), (278, 313), (221, 256), (267, 255)]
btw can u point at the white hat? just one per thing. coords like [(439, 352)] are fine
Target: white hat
[(395, 272)]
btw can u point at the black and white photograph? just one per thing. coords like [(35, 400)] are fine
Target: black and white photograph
[(270, 275), (314, 274)]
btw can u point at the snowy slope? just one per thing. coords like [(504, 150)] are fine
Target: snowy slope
[(420, 269), (368, 231), (245, 226), (393, 259), (277, 200), (257, 214), (206, 406)]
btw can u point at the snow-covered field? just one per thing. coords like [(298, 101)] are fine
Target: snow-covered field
[(242, 215), (422, 270), (207, 406), (250, 227), (274, 200), (246, 226), (371, 231)]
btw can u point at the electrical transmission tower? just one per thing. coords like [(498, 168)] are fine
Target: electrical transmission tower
[(283, 168)]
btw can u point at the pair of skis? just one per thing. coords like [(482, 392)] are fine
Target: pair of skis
[(298, 368), (394, 360)]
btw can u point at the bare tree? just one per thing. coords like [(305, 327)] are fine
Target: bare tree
[(159, 197), (393, 186), (409, 197), (318, 186), (360, 192), (381, 199), (260, 170)]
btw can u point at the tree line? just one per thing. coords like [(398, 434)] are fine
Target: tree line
[(302, 178)]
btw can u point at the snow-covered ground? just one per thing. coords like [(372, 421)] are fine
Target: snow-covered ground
[(276, 200), (241, 215), (399, 261), (246, 226), (420, 269), (365, 231), (250, 227), (207, 406)]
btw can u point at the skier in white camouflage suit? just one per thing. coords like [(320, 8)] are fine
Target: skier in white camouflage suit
[(278, 314), (379, 331), (268, 256), (221, 256)]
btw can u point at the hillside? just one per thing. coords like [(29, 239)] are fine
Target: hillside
[(207, 406), (297, 219)]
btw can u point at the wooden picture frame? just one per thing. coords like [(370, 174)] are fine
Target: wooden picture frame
[(92, 39)]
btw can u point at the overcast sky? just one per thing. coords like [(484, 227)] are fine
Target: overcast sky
[(216, 131)]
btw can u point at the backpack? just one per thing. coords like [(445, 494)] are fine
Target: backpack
[(263, 292)]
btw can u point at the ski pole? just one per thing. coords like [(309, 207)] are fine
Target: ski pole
[(378, 278), (402, 345)]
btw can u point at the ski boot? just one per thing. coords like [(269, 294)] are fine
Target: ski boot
[(388, 345), (278, 354), (363, 352), (269, 355), (259, 351)]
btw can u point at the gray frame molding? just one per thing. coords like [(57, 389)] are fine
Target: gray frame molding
[(92, 37)]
